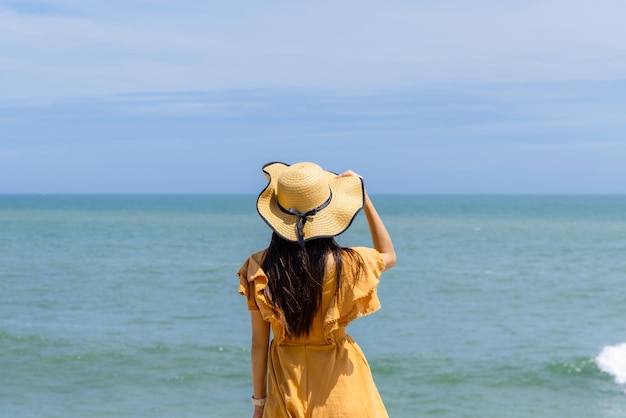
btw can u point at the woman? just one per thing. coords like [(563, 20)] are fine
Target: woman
[(307, 289)]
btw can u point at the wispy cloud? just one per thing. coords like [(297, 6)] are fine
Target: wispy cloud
[(478, 109), (71, 48)]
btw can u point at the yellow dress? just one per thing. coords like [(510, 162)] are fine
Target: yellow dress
[(324, 374)]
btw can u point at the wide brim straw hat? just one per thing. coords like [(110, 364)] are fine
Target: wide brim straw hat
[(302, 201)]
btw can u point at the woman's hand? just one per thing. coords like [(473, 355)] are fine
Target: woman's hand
[(258, 412), (349, 173)]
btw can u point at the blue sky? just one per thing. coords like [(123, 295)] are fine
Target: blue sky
[(444, 96)]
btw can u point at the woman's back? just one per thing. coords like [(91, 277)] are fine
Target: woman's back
[(323, 373)]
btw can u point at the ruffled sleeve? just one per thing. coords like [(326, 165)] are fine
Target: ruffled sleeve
[(357, 295), (252, 284), (249, 271), (253, 281)]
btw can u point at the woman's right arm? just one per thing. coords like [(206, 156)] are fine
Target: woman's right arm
[(380, 236)]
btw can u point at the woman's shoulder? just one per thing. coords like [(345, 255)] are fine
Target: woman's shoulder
[(258, 256), (371, 259), (252, 265), (366, 252)]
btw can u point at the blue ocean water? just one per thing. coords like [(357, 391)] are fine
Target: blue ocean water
[(127, 306)]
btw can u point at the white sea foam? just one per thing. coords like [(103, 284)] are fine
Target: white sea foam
[(612, 360)]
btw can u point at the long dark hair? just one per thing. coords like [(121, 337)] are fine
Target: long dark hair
[(296, 277)]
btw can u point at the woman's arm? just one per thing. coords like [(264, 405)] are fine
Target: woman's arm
[(381, 239), (258, 356)]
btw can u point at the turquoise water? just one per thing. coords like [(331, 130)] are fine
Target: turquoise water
[(127, 306)]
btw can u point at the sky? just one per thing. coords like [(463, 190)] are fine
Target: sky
[(419, 97)]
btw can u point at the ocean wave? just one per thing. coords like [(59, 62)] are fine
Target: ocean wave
[(583, 366), (612, 360)]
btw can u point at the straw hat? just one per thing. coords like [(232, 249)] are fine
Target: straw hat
[(302, 201)]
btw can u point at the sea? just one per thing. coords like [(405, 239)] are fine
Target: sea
[(127, 306)]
